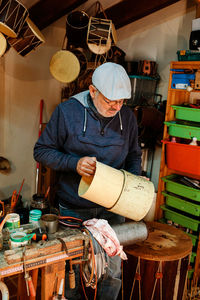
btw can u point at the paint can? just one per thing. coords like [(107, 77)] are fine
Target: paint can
[(34, 217), (13, 222), (19, 239)]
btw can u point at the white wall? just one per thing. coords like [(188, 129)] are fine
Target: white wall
[(24, 81)]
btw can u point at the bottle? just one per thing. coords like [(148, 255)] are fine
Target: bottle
[(173, 140), (194, 142)]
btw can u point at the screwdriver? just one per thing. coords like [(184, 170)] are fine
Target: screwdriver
[(29, 283)]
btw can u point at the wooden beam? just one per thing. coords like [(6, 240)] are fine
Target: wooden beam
[(128, 11), (45, 12)]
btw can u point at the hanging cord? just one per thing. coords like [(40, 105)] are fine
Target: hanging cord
[(64, 47), (159, 275), (136, 277)]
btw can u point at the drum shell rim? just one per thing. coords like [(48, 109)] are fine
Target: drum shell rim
[(74, 27)]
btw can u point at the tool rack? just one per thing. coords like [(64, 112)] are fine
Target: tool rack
[(177, 202)]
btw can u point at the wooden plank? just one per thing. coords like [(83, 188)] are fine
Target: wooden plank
[(45, 12), (128, 11)]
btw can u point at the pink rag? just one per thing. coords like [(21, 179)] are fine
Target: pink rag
[(106, 237)]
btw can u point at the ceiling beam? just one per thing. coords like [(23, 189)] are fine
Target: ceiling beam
[(45, 12), (128, 11)]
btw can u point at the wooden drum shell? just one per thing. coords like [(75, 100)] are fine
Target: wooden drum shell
[(148, 261)]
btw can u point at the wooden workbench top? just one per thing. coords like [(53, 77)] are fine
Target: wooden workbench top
[(43, 252)]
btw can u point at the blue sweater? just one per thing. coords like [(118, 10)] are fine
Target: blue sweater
[(74, 131)]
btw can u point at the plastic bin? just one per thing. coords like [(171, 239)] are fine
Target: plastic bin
[(188, 55), (183, 158), (181, 204), (187, 113), (180, 219), (183, 131), (172, 185), (181, 80)]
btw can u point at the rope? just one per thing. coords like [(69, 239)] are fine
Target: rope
[(138, 277), (158, 276)]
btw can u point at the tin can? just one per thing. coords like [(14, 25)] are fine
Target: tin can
[(13, 222)]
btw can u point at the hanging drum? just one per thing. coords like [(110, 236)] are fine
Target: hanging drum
[(12, 17), (3, 44), (99, 35), (29, 38), (76, 28), (79, 52), (64, 66)]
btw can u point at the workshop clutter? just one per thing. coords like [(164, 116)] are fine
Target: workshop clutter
[(17, 30), (119, 191)]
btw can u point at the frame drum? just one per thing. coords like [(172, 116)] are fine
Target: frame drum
[(99, 35), (157, 267), (12, 17), (64, 66), (29, 38), (3, 44)]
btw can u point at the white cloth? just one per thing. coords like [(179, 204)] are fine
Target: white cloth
[(106, 237)]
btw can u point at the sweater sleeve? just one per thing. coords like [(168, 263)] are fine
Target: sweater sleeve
[(133, 159), (49, 148)]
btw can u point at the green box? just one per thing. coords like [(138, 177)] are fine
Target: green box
[(190, 273), (180, 219), (187, 113), (194, 238), (171, 185), (193, 256), (181, 204), (183, 131), (188, 55)]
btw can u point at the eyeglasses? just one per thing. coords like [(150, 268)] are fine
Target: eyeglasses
[(112, 103)]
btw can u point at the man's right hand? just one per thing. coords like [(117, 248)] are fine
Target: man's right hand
[(86, 166)]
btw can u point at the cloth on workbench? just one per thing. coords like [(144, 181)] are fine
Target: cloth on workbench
[(106, 236)]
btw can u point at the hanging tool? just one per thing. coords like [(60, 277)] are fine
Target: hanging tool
[(40, 131), (29, 283)]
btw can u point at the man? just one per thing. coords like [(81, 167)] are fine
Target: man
[(93, 125)]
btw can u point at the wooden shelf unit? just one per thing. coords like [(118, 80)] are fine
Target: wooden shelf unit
[(175, 97)]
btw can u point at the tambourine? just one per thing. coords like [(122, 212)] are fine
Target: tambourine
[(99, 35), (12, 17), (29, 38), (3, 44), (64, 66)]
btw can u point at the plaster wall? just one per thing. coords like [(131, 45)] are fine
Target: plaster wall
[(24, 81)]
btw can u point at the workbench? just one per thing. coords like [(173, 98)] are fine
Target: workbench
[(48, 256)]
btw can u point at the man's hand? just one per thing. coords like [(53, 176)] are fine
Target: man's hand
[(86, 166)]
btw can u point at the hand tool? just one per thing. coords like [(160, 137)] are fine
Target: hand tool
[(40, 234), (13, 200), (29, 283), (20, 189)]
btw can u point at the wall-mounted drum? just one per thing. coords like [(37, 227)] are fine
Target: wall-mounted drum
[(29, 38), (76, 28), (157, 267), (80, 54), (99, 35), (64, 66), (12, 17), (3, 44)]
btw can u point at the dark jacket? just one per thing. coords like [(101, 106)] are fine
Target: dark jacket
[(74, 131)]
